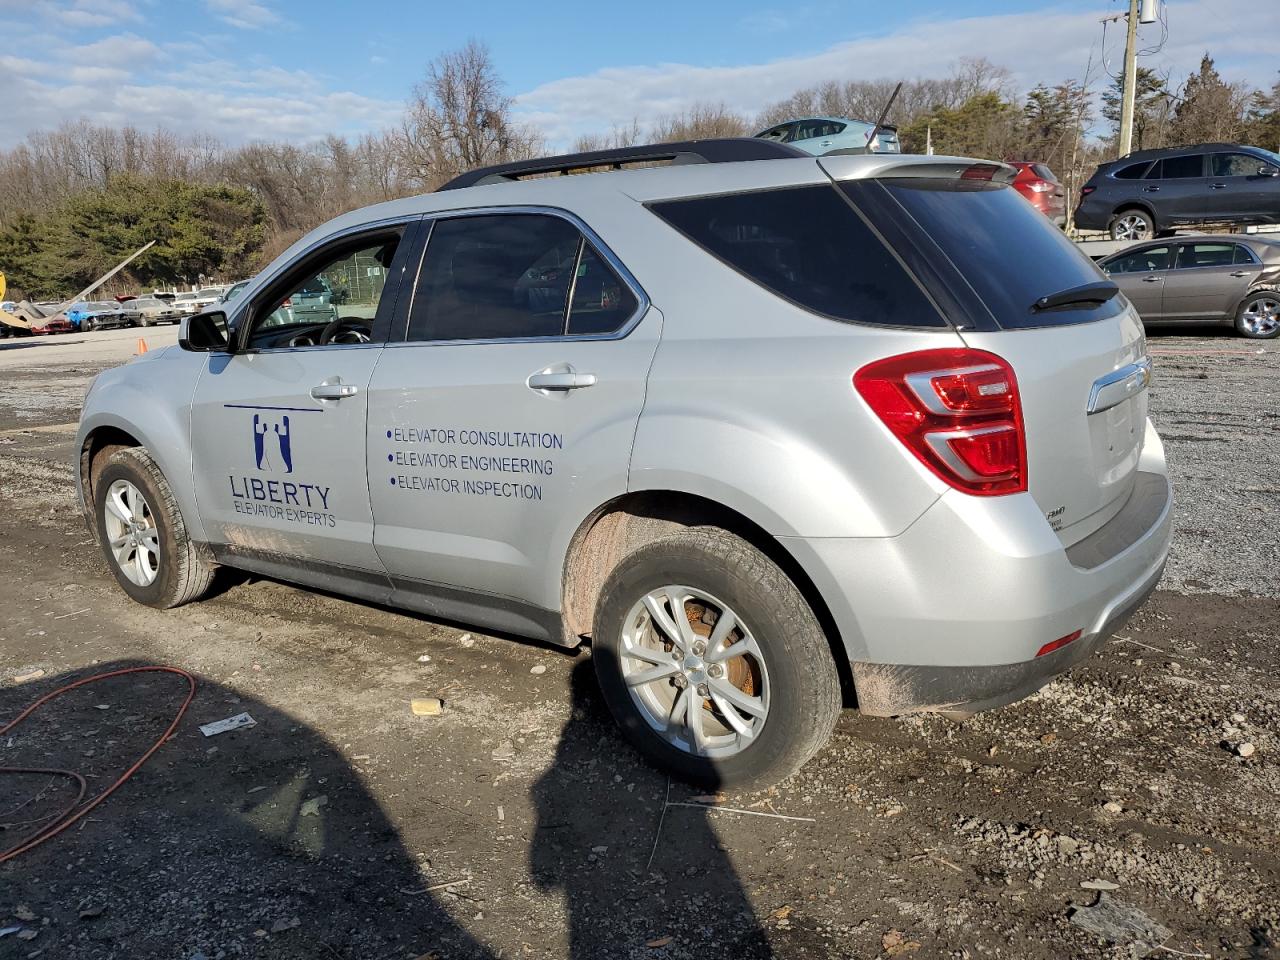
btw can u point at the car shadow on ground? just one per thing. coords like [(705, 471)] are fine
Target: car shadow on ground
[(267, 842)]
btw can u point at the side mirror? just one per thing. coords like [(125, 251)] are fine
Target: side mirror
[(204, 333), (1267, 170)]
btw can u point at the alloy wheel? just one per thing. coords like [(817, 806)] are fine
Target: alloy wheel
[(695, 671), (1262, 316), (1129, 227), (131, 533)]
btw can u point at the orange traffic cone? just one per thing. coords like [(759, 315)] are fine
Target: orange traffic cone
[(142, 347)]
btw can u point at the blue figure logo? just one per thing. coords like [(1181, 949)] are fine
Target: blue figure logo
[(261, 451)]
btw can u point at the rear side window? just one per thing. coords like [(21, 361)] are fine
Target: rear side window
[(1182, 168), (1133, 171), (1206, 255), (1004, 248), (1244, 255), (808, 246), (515, 276), (1043, 172)]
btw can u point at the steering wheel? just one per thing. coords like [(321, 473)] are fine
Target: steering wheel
[(343, 330)]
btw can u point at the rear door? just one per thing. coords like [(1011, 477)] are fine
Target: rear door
[(1207, 282), (1141, 274), (508, 407), (1081, 466), (1178, 188)]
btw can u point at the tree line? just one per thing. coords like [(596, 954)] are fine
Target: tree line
[(76, 200)]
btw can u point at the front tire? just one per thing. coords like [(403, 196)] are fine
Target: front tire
[(1131, 224), (142, 534), (712, 662), (1258, 316)]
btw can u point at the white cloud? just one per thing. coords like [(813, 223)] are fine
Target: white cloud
[(96, 13), (245, 14), (1049, 45)]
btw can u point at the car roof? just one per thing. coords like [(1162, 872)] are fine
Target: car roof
[(1191, 149)]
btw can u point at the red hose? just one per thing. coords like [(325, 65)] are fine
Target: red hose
[(76, 811)]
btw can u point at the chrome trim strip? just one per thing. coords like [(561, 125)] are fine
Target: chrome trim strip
[(1119, 385), (939, 443), (922, 386)]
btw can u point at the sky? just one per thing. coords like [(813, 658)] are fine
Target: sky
[(245, 70)]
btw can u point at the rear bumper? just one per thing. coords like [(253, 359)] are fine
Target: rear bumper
[(950, 615)]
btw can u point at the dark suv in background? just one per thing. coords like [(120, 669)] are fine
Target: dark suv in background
[(1150, 191)]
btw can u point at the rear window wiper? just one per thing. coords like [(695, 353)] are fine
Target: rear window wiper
[(1091, 294)]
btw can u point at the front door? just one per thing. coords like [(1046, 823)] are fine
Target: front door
[(278, 424), (508, 412), (1239, 190), (1140, 275)]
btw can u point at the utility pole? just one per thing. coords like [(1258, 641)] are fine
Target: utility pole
[(1130, 80)]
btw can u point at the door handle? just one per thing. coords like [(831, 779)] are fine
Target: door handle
[(1239, 273), (561, 381), (1150, 189), (1152, 279), (1216, 186), (334, 391)]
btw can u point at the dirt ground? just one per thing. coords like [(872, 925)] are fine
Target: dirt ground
[(517, 824)]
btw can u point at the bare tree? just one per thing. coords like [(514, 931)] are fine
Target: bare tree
[(459, 118)]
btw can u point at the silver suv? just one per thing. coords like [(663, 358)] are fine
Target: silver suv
[(775, 433)]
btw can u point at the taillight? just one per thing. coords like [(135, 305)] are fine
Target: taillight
[(958, 411), (1085, 191), (288, 302), (980, 171), (1041, 186)]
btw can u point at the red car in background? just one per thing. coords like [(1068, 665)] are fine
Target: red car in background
[(1037, 183), (58, 323)]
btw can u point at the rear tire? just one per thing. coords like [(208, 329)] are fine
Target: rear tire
[(1258, 316), (1131, 224), (750, 719), (142, 534)]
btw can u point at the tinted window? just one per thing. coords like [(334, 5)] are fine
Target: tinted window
[(1133, 171), (807, 245), (1141, 261), (495, 277), (1009, 252), (1155, 171), (1206, 255), (1234, 165), (775, 133), (1244, 255), (1042, 171), (1180, 168), (601, 302)]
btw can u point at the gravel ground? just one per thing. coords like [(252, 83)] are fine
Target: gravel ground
[(516, 824)]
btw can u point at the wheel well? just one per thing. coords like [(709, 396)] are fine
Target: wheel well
[(1133, 205), (99, 445), (620, 526)]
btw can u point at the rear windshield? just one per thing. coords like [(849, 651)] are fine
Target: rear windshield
[(808, 246), (1004, 248)]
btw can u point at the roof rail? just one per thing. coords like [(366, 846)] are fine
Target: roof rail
[(727, 150)]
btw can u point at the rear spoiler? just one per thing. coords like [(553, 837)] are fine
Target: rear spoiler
[(903, 165)]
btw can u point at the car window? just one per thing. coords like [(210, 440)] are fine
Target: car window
[(812, 129), (1155, 171), (1244, 255), (1141, 261), (512, 276), (807, 245), (778, 133), (601, 302), (1206, 255), (1180, 168), (1133, 171), (1235, 165), (333, 303)]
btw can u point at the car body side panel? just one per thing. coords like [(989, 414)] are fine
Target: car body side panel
[(150, 399)]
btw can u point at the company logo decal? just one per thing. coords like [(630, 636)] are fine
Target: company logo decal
[(264, 441)]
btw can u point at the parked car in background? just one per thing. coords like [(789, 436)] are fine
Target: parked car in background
[(823, 135), (207, 296), (58, 323), (148, 311), (93, 314), (1151, 191), (1041, 187), (1228, 279), (186, 302)]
